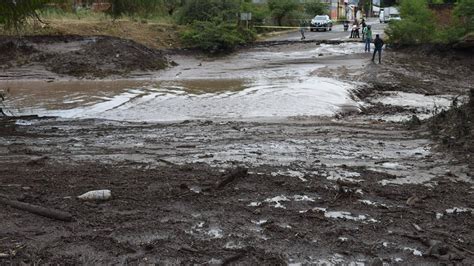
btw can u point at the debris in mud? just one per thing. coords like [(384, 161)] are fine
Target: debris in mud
[(14, 50), (233, 175), (42, 211), (98, 195)]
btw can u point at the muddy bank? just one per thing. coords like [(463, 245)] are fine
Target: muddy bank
[(312, 194), (79, 56), (454, 129)]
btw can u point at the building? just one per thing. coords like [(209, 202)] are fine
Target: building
[(95, 5)]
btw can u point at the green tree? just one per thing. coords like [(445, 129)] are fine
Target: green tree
[(259, 12), (281, 9), (314, 8), (15, 13), (135, 7), (464, 12), (216, 36), (207, 10), (172, 5), (418, 24)]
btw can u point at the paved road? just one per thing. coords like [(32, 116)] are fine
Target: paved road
[(337, 33)]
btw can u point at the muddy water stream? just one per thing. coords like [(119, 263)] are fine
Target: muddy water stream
[(259, 83)]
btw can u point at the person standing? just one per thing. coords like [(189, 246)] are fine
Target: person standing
[(302, 28), (367, 32), (363, 24), (378, 42)]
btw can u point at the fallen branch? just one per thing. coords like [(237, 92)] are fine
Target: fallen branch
[(237, 173), (166, 161), (461, 248), (42, 211)]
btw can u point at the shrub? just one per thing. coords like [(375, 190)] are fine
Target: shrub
[(259, 12), (215, 36), (143, 8), (417, 25), (464, 13), (314, 8), (207, 10), (281, 9), (14, 14)]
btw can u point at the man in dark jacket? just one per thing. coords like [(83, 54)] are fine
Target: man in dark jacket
[(378, 42)]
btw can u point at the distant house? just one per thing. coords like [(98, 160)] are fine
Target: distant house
[(337, 8), (95, 5)]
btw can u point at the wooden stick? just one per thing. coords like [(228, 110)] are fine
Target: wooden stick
[(42, 211)]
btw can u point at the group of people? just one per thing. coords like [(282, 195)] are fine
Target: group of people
[(367, 38)]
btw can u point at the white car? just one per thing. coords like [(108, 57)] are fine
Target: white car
[(388, 14), (321, 22)]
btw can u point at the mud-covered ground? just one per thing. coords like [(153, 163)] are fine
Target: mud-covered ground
[(76, 56), (358, 187)]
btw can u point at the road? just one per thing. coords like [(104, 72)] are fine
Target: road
[(337, 33)]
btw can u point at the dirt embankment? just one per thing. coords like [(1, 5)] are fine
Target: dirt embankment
[(153, 35), (454, 129), (430, 71), (80, 56)]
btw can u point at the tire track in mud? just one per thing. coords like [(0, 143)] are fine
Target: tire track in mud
[(295, 146)]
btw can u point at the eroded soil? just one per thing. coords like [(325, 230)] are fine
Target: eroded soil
[(355, 188), (76, 56)]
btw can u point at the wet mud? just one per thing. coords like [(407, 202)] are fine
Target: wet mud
[(354, 185), (76, 56)]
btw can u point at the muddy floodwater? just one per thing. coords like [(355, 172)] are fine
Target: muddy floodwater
[(299, 154), (253, 84)]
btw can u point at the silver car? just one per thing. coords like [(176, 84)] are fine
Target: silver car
[(321, 22)]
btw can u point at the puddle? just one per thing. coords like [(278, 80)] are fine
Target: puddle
[(456, 210), (372, 203), (344, 176), (278, 199), (414, 251), (298, 174), (342, 215), (420, 178), (426, 103)]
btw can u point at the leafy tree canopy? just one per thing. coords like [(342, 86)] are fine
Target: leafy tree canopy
[(314, 8), (15, 13), (281, 8)]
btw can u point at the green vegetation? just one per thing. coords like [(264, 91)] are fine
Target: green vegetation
[(14, 14), (464, 13), (419, 25), (211, 25), (281, 8), (206, 10), (137, 7), (313, 8), (215, 36)]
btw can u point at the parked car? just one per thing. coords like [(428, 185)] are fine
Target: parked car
[(321, 22), (388, 14)]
